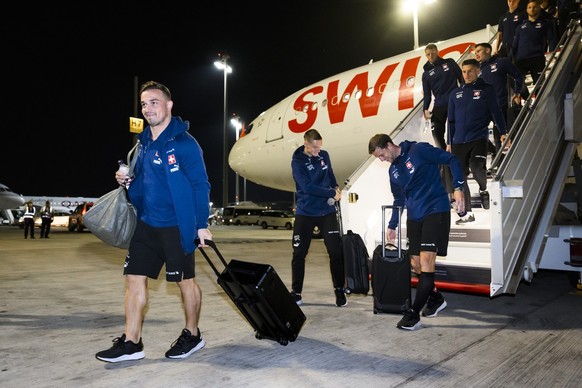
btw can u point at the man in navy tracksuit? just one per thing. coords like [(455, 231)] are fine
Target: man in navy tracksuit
[(440, 77), (170, 192), (415, 182), (532, 38), (495, 71), (317, 192), (471, 109), (508, 22)]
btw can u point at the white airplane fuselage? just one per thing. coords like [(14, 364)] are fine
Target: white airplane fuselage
[(9, 199), (347, 109)]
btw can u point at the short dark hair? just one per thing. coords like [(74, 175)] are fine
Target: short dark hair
[(380, 140), (486, 45), (311, 135), (156, 85), (471, 62), (431, 46)]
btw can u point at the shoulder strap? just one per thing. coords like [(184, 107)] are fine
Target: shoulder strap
[(132, 159)]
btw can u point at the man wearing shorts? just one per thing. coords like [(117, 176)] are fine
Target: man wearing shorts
[(416, 183), (170, 191)]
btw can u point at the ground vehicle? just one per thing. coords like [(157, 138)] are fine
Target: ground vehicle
[(276, 219), (60, 218), (76, 217), (242, 214)]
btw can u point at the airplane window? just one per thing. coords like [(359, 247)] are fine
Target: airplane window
[(305, 108), (410, 82), (346, 97), (370, 91), (324, 103), (314, 106), (358, 94)]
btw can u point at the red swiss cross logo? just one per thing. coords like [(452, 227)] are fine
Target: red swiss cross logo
[(171, 159)]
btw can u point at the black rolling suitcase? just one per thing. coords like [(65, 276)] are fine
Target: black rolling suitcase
[(391, 273), (356, 264), (261, 296), (356, 270)]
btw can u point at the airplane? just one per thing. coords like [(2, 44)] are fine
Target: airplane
[(347, 109), (489, 256), (9, 199)]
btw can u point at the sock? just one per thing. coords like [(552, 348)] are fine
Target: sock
[(423, 290)]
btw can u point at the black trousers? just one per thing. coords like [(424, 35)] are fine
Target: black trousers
[(45, 227), (473, 157), (302, 235), (533, 66)]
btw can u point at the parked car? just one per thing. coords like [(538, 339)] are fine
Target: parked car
[(76, 217), (60, 218), (276, 219)]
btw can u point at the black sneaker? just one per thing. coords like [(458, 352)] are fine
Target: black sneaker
[(434, 306), (465, 220), (484, 199), (185, 345), (340, 297), (122, 350), (410, 320), (297, 298)]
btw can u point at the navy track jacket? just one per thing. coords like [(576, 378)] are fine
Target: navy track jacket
[(314, 181), (415, 180), (182, 163), (440, 79), (471, 109), (495, 71)]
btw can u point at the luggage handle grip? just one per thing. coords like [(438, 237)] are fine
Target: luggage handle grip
[(212, 245), (399, 235)]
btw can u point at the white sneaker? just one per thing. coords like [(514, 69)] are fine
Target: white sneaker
[(469, 217)]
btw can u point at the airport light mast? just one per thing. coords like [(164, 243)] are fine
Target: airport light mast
[(222, 64), (413, 5)]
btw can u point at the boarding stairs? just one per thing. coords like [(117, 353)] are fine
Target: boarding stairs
[(517, 236)]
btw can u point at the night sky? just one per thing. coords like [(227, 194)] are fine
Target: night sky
[(70, 73)]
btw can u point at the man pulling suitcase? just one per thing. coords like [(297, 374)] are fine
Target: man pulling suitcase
[(416, 183)]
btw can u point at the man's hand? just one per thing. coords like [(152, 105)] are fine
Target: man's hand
[(427, 114), (204, 234), (459, 201), (390, 234)]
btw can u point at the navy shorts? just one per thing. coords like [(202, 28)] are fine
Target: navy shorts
[(151, 248), (430, 234)]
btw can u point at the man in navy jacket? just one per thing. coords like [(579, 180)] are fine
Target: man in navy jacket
[(495, 71), (415, 183), (317, 192), (471, 109), (532, 39)]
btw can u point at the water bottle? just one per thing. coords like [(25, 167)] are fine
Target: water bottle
[(427, 125), (123, 168)]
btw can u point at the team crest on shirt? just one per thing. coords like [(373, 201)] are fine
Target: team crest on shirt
[(323, 165), (476, 94), (445, 67), (173, 163), (493, 67), (409, 166)]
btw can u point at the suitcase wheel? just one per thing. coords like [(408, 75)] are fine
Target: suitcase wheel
[(258, 336), (283, 342)]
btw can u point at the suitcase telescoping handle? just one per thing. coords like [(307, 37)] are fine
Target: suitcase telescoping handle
[(212, 245), (384, 227)]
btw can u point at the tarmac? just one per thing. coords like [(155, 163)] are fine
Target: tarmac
[(62, 301)]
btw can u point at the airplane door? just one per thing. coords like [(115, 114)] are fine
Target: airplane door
[(277, 121)]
